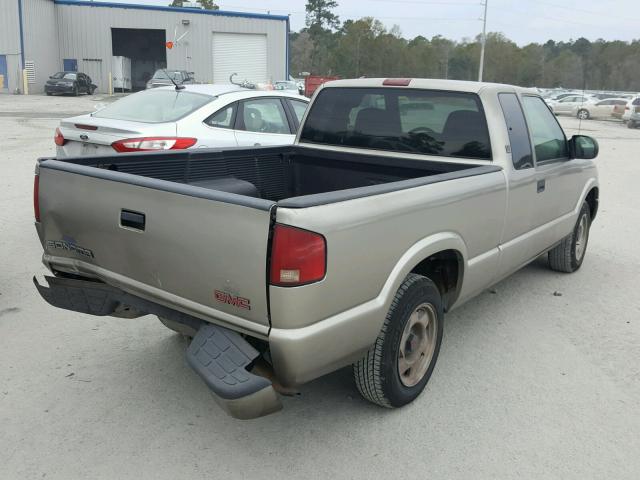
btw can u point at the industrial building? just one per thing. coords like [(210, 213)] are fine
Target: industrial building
[(41, 37)]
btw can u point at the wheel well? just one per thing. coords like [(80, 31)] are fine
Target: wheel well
[(445, 269), (592, 201)]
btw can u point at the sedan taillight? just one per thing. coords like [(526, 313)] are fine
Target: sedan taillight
[(153, 143), (59, 138)]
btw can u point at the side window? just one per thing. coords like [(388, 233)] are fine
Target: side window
[(636, 101), (299, 108), (264, 115), (518, 132), (548, 138), (222, 118)]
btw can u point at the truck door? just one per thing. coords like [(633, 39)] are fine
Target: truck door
[(516, 244), (557, 179)]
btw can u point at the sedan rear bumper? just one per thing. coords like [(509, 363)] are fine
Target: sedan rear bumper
[(58, 88)]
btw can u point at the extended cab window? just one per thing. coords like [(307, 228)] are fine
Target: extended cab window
[(549, 141), (429, 122), (518, 132)]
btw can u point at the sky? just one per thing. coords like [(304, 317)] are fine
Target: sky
[(523, 21)]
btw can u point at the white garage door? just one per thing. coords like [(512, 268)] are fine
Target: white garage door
[(241, 53)]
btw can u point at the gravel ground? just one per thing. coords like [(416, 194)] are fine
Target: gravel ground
[(529, 384)]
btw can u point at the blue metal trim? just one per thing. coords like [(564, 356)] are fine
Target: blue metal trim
[(287, 51), (222, 13), (21, 32)]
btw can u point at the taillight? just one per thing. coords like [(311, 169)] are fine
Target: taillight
[(36, 197), (153, 143), (298, 256), (59, 138)]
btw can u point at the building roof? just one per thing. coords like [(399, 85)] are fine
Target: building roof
[(222, 13)]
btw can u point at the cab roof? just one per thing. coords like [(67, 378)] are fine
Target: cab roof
[(426, 83)]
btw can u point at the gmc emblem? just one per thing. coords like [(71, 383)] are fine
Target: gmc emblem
[(224, 297)]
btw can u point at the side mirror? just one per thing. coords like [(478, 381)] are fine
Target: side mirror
[(584, 147)]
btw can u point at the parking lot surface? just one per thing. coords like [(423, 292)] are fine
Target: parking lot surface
[(537, 378)]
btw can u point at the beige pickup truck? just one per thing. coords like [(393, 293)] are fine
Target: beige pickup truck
[(400, 200)]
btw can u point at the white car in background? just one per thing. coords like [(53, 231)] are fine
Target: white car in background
[(196, 116), (567, 104), (597, 109), (632, 106)]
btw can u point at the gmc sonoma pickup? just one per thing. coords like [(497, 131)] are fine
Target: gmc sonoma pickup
[(400, 200)]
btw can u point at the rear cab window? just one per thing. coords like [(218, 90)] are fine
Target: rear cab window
[(431, 122)]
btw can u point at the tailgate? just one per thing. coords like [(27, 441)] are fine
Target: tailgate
[(200, 251)]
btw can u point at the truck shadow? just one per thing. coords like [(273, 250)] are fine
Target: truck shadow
[(332, 404)]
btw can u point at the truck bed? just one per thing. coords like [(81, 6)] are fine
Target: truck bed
[(293, 176)]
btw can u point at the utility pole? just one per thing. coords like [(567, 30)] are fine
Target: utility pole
[(483, 40)]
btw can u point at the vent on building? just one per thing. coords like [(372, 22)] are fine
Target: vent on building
[(30, 67)]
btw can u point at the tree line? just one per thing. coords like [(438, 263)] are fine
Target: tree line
[(365, 47)]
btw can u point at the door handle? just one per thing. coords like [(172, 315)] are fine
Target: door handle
[(541, 185), (131, 219)]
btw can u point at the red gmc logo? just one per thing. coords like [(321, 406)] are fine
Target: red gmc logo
[(224, 297)]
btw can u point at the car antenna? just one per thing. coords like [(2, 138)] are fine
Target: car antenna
[(178, 87)]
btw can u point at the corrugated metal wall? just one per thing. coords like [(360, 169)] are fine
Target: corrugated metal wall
[(10, 40), (84, 32), (40, 35)]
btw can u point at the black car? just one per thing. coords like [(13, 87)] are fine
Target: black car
[(69, 82)]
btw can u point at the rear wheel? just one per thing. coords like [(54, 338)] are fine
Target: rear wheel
[(568, 255), (631, 124), (75, 91), (583, 114), (398, 366)]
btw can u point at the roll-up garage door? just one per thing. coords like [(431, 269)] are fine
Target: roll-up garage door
[(241, 53)]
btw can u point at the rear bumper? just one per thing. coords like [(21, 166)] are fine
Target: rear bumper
[(220, 356), (58, 88)]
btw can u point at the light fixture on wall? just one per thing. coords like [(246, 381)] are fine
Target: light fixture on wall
[(186, 22)]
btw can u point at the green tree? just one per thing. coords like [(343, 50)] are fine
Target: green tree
[(320, 16), (321, 23), (365, 47)]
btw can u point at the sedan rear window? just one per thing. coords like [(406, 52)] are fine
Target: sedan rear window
[(155, 106), (428, 122)]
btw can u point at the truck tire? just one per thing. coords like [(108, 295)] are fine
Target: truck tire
[(568, 255), (397, 367), (178, 327)]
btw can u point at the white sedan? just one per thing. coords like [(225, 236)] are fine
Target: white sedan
[(597, 108), (567, 104), (196, 116)]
